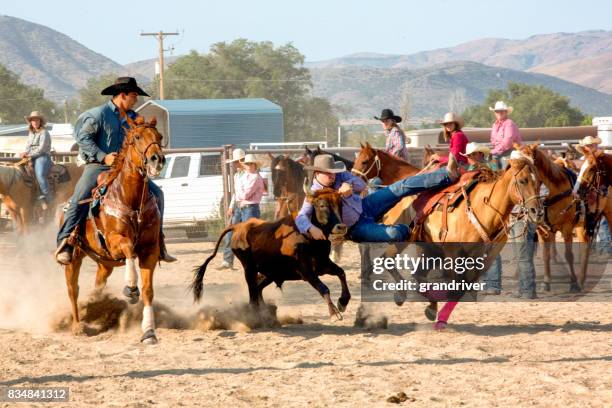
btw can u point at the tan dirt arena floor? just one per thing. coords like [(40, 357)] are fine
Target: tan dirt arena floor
[(492, 354)]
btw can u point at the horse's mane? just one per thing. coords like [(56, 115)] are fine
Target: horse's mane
[(115, 169), (392, 157), (553, 171), (7, 173)]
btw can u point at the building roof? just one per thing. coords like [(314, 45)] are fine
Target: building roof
[(215, 106)]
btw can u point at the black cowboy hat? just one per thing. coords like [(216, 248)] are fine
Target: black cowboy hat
[(388, 114), (123, 84)]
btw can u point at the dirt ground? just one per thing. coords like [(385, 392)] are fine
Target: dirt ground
[(492, 354)]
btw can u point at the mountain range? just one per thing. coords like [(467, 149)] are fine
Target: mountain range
[(577, 65)]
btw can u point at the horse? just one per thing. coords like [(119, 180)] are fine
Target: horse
[(311, 154), (376, 163), (126, 225), (561, 211), (482, 216), (287, 179), (20, 199)]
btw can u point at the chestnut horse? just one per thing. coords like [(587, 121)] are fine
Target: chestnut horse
[(371, 163), (287, 180), (20, 199), (561, 211), (126, 226), (483, 218)]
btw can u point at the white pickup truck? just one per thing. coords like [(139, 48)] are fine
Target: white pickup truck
[(193, 191)]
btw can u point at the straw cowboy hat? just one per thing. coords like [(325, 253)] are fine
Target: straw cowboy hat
[(250, 158), (35, 115), (388, 114), (452, 117), (325, 163), (474, 147), (589, 140), (237, 154), (501, 106), (123, 85)]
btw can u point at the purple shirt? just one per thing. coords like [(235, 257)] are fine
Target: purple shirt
[(351, 206), (503, 134), (396, 143)]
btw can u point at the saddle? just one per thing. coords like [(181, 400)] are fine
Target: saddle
[(58, 174), (444, 199)]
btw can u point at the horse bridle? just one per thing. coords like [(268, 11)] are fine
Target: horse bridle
[(363, 175), (143, 154)]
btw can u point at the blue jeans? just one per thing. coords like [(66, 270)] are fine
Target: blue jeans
[(249, 211), (375, 205), (42, 165), (524, 250), (228, 255), (77, 213), (492, 277)]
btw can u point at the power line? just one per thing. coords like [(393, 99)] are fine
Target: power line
[(160, 40)]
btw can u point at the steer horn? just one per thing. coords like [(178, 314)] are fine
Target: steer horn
[(307, 190)]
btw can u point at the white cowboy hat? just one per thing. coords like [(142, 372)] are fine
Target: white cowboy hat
[(474, 147), (250, 158), (451, 117), (35, 115), (501, 106), (589, 140), (237, 154)]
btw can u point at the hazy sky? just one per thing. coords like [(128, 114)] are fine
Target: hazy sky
[(320, 29)]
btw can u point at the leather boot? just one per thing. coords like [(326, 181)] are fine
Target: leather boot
[(163, 252), (452, 167), (63, 254)]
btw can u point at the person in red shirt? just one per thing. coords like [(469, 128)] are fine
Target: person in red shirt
[(453, 124)]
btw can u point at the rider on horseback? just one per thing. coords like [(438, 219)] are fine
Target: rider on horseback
[(99, 133), (37, 150)]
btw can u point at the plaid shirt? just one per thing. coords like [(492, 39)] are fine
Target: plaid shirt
[(396, 143)]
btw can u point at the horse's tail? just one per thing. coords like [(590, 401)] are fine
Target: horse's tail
[(198, 277)]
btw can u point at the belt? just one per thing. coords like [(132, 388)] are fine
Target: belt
[(249, 205)]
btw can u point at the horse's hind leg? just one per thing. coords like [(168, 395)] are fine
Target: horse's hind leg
[(147, 266), (72, 282), (102, 275)]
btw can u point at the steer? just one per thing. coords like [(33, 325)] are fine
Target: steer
[(278, 252)]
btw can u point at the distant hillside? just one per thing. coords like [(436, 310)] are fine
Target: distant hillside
[(48, 59), (568, 55), (146, 68), (435, 90)]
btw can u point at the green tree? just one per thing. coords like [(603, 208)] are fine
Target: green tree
[(89, 95), (534, 106), (245, 69), (18, 100)]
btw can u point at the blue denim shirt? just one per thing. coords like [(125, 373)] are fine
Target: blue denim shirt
[(100, 131), (351, 206)]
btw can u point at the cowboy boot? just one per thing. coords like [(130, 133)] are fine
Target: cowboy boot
[(63, 253), (452, 167), (163, 252)]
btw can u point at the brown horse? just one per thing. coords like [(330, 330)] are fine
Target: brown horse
[(482, 218), (372, 163), (287, 180), (126, 226), (20, 199), (561, 211)]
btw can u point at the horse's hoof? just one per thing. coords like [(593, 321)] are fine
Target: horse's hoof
[(399, 297), (546, 286), (149, 337), (575, 288), (78, 329), (440, 325), (341, 307), (431, 313), (131, 294)]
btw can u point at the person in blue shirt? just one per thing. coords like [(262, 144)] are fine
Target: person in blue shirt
[(361, 214), (99, 132)]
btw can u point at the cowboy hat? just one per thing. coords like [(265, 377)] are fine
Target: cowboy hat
[(474, 147), (388, 114), (250, 158), (501, 106), (589, 140), (452, 117), (325, 163), (35, 115), (237, 154), (123, 85)]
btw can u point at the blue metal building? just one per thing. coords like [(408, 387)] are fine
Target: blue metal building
[(215, 122)]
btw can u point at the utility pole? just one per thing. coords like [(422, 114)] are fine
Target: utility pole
[(65, 110), (160, 40)]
